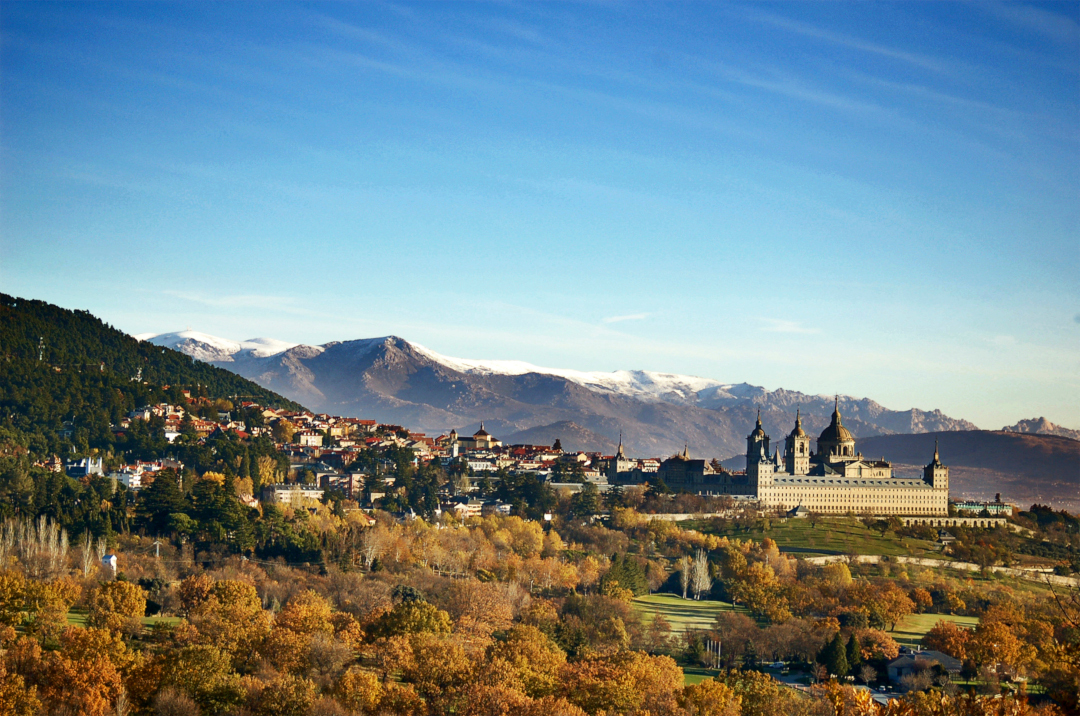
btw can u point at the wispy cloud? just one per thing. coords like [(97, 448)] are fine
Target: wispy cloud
[(778, 325), (1047, 23), (630, 317), (853, 43)]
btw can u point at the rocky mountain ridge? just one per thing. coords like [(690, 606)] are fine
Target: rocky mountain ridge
[(1042, 426), (392, 380)]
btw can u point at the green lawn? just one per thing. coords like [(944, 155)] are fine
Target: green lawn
[(78, 618), (913, 628), (696, 674), (836, 535), (681, 613)]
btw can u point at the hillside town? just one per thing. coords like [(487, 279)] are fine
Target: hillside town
[(354, 460)]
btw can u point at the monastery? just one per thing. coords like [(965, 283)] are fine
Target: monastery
[(833, 480)]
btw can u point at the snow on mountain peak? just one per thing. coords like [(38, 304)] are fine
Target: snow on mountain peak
[(641, 384), (208, 348)]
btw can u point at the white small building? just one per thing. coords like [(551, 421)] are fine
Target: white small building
[(109, 562), (308, 438), (291, 494)]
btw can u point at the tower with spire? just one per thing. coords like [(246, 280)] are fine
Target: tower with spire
[(759, 464), (936, 474), (797, 449), (620, 462)]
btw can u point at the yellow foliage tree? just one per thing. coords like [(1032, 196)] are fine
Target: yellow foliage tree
[(710, 698), (534, 660), (627, 682), (360, 690), (16, 698), (230, 616), (118, 606)]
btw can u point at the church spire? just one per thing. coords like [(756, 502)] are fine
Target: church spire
[(619, 452), (798, 418), (836, 411), (936, 458)]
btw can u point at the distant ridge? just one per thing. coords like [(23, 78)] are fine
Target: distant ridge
[(1042, 426), (392, 380), (1023, 467), (571, 436)]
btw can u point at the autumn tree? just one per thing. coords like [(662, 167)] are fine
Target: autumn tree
[(710, 698), (759, 694), (948, 638), (627, 682), (118, 606), (533, 659), (204, 673), (229, 616), (287, 695), (412, 617)]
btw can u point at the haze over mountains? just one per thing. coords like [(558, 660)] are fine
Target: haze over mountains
[(395, 381)]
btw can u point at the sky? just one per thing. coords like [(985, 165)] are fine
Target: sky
[(869, 199)]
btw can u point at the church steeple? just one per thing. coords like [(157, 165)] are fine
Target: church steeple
[(619, 453)]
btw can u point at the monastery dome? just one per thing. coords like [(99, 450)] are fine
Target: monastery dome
[(836, 433)]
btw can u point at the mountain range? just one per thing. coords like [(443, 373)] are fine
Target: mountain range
[(392, 380)]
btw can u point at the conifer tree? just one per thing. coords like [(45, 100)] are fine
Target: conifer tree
[(834, 656), (854, 654)]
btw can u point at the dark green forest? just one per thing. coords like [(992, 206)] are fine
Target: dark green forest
[(66, 377), (67, 380)]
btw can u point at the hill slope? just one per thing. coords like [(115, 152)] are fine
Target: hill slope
[(392, 380), (85, 376)]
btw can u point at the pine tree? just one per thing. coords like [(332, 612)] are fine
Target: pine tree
[(854, 654), (834, 656)]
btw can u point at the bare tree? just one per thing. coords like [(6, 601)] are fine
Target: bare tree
[(87, 554), (701, 581), (373, 543), (41, 547), (123, 703), (683, 565), (867, 673)]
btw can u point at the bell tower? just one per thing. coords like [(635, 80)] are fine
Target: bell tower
[(797, 449), (935, 473), (759, 464)]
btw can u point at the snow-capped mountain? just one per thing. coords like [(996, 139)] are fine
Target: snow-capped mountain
[(211, 349), (395, 381), (640, 384)]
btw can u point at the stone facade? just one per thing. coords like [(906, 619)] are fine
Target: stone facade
[(835, 480)]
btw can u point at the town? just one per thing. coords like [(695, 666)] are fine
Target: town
[(354, 460)]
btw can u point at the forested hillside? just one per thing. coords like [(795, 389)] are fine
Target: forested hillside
[(59, 366)]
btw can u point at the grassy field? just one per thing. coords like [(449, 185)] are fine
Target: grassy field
[(838, 535), (696, 674), (78, 618), (913, 628), (681, 613)]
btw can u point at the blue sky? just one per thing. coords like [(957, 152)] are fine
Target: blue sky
[(873, 199)]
